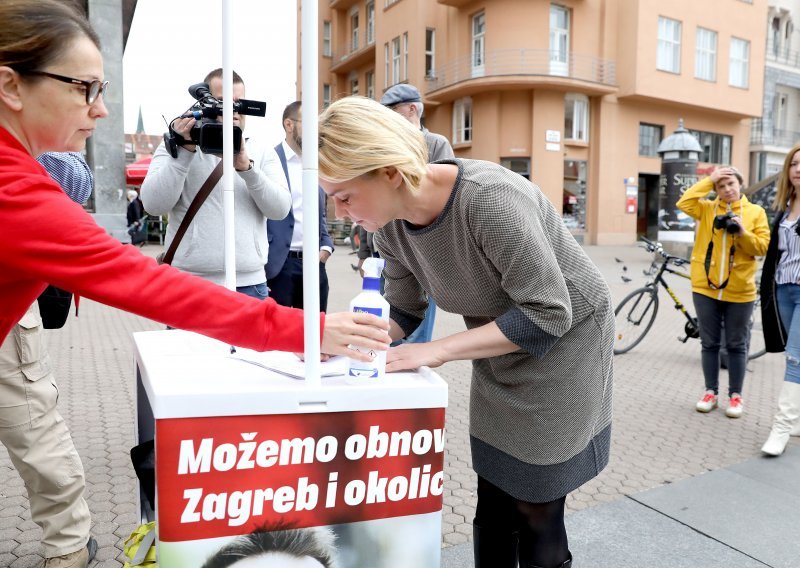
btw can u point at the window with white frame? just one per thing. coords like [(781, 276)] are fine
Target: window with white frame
[(668, 57), (462, 121), (370, 23), (559, 40), (395, 60), (354, 85), (326, 95), (739, 69), (354, 30), (371, 84), (326, 39), (478, 43), (430, 52), (405, 56), (385, 65), (576, 117), (705, 55)]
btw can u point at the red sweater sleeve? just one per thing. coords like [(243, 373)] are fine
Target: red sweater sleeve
[(49, 239)]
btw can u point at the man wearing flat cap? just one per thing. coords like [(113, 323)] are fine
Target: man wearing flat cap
[(406, 100)]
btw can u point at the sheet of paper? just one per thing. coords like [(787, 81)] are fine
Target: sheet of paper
[(288, 364)]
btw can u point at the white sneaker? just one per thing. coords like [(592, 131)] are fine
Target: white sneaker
[(735, 407), (776, 443), (707, 403)]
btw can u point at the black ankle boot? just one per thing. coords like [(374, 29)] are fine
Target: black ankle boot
[(566, 564), (493, 548)]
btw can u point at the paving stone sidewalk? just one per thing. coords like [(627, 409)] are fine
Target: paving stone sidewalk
[(658, 438)]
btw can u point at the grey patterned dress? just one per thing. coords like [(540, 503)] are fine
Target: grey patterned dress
[(540, 417)]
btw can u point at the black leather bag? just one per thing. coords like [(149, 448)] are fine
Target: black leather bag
[(54, 304), (143, 458)]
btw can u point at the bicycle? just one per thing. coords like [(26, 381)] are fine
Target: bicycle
[(636, 313)]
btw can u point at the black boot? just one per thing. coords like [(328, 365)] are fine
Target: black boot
[(566, 564), (493, 548)]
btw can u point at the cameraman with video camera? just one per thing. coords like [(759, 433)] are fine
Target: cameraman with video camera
[(730, 233), (183, 164)]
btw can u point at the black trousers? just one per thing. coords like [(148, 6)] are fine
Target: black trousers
[(287, 287)]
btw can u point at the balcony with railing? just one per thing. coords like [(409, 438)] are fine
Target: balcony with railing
[(537, 66), (762, 133), (777, 53), (352, 54), (342, 4)]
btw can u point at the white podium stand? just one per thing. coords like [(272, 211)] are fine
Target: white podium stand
[(240, 449)]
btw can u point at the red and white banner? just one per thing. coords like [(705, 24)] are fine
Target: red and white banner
[(224, 476)]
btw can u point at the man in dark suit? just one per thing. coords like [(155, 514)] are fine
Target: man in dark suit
[(285, 262)]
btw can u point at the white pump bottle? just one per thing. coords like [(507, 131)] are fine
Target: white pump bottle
[(370, 301)]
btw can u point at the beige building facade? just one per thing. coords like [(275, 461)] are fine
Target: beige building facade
[(574, 94)]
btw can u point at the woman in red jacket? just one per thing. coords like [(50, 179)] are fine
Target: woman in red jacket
[(51, 96)]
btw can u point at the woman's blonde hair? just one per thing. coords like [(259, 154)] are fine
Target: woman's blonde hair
[(785, 191), (358, 135)]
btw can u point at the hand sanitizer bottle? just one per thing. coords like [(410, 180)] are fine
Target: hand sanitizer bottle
[(370, 301)]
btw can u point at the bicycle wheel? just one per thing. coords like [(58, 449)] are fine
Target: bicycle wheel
[(756, 346), (633, 318)]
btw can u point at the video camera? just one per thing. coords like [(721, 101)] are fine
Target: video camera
[(207, 132)]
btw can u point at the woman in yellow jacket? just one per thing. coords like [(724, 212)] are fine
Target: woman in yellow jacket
[(730, 233)]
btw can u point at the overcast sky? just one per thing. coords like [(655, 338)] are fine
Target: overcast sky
[(158, 71)]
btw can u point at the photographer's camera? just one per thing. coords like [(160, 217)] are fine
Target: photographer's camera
[(726, 222), (207, 131)]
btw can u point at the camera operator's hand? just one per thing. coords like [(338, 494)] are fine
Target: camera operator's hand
[(241, 161), (183, 126)]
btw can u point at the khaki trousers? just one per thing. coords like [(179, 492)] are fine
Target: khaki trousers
[(38, 441)]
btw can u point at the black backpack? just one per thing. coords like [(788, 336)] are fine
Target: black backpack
[(54, 304)]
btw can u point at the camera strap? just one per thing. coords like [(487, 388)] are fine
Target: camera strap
[(709, 254), (205, 191)]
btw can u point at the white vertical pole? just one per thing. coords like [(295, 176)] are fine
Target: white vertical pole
[(311, 213), (228, 172)]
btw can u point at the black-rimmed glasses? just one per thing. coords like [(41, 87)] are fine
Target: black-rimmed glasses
[(93, 89)]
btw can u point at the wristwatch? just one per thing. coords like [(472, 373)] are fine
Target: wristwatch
[(250, 167)]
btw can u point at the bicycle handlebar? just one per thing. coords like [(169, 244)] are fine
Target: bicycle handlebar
[(658, 248)]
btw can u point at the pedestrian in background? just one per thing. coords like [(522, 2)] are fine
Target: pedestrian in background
[(780, 301), (51, 96), (284, 267), (486, 243), (731, 233), (137, 223), (259, 191), (406, 101)]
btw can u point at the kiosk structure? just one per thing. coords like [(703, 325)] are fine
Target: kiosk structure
[(242, 450)]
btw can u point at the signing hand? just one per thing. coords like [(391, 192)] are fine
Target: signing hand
[(412, 356), (346, 328)]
